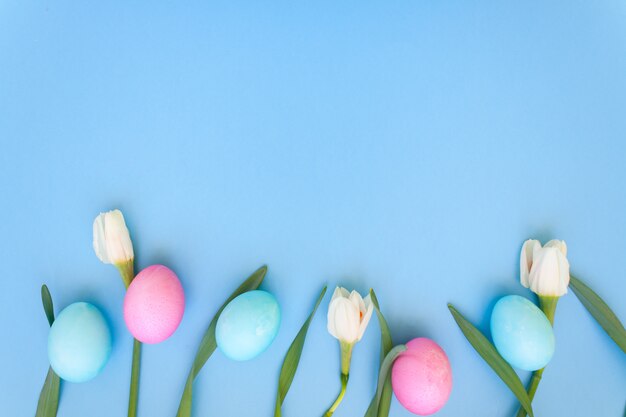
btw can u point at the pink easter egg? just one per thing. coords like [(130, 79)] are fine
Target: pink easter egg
[(154, 304), (421, 377)]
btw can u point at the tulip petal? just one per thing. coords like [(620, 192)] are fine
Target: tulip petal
[(111, 240), (357, 300), (526, 259), (549, 275), (343, 320), (559, 244), (119, 246), (99, 241), (340, 292), (367, 315), (564, 275)]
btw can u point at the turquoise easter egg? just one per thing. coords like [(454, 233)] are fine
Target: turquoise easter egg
[(79, 343), (248, 325), (521, 333)]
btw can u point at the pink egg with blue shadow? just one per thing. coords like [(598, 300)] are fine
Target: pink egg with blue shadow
[(421, 377), (154, 304)]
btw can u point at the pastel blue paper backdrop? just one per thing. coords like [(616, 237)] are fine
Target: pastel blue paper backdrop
[(408, 146)]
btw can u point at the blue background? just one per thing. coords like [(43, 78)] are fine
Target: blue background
[(407, 146)]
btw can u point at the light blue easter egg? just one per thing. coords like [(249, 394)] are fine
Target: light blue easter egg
[(248, 325), (79, 343), (521, 333)]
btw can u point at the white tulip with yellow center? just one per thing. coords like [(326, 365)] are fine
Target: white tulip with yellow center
[(112, 244), (348, 317)]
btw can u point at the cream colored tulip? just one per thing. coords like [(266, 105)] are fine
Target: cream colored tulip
[(112, 244), (111, 240), (545, 269), (348, 315)]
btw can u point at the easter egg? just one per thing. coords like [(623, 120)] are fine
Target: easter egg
[(154, 304), (421, 377), (521, 333), (248, 325), (79, 343)]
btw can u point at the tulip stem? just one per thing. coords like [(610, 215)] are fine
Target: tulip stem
[(548, 306), (346, 357), (532, 389), (127, 271), (134, 379), (344, 384)]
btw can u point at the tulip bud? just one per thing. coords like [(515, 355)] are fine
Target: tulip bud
[(349, 315), (112, 244), (545, 270)]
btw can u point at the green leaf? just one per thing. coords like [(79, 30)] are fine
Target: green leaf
[(48, 403), (46, 300), (489, 353), (380, 406), (385, 335), (49, 397), (209, 344), (600, 311), (292, 358), (375, 407)]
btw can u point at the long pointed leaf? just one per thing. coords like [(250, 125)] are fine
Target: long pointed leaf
[(46, 300), (384, 376), (292, 358), (209, 344), (385, 335), (48, 403), (489, 353), (600, 311), (380, 406)]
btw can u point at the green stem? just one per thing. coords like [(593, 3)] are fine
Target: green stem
[(548, 306), (532, 389), (127, 271), (346, 357), (134, 379), (344, 384)]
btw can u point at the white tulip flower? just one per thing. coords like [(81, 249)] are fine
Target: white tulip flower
[(112, 244), (545, 270), (348, 317)]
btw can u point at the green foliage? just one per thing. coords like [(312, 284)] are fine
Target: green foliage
[(292, 358), (600, 312), (209, 344), (48, 403), (381, 402), (489, 353)]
